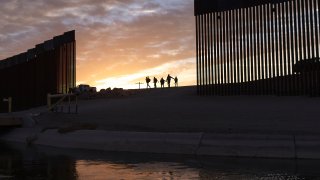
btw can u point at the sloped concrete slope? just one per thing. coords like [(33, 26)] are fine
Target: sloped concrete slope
[(234, 145)]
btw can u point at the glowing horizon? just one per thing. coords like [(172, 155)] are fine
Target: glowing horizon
[(119, 43)]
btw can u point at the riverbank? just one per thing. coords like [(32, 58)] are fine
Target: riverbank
[(178, 121)]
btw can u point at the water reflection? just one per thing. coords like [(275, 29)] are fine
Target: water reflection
[(20, 162), (156, 170)]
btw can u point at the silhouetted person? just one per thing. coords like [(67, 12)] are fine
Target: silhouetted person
[(169, 80), (148, 81), (155, 81), (162, 82), (176, 81)]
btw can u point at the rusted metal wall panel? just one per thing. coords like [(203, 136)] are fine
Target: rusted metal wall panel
[(29, 76)]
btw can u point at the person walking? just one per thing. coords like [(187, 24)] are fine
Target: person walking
[(169, 80), (162, 82), (148, 81), (155, 81), (176, 81)]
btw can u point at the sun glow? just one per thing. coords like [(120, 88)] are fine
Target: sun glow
[(118, 43), (184, 69)]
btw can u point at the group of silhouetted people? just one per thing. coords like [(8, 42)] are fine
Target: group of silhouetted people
[(162, 81)]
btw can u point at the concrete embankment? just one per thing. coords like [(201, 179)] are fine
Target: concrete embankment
[(240, 126), (235, 145)]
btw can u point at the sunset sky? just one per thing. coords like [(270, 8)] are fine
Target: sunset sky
[(119, 42)]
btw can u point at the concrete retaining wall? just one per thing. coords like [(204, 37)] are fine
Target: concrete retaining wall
[(235, 145)]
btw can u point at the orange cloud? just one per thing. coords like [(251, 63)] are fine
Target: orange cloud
[(126, 39)]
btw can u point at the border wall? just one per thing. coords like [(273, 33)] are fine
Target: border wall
[(28, 77), (248, 47)]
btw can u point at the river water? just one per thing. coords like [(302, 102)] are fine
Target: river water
[(20, 162)]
